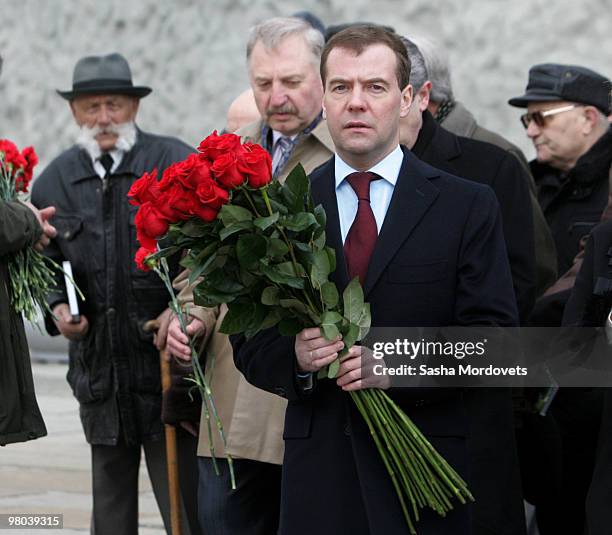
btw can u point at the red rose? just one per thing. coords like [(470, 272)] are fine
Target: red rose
[(145, 240), (179, 201), (169, 177), (212, 195), (256, 164), (214, 145), (150, 221), (145, 189), (226, 172), (200, 172), (141, 256), (211, 198)]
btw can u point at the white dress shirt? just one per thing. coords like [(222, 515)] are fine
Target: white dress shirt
[(116, 155), (381, 191)]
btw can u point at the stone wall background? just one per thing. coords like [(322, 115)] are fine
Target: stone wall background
[(191, 52)]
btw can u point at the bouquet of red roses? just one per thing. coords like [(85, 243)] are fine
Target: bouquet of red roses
[(30, 275), (259, 247)]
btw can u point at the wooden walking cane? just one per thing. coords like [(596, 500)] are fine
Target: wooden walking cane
[(171, 452)]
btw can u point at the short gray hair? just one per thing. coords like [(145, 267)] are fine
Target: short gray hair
[(272, 31), (438, 68), (418, 69)]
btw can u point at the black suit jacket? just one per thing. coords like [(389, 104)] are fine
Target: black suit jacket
[(497, 168), (439, 260)]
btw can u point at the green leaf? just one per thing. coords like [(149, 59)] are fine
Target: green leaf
[(350, 336), (264, 222), (273, 317), (332, 369), (195, 228), (226, 232), (231, 213), (294, 304), (329, 294), (283, 274), (289, 327), (353, 300), (237, 319), (320, 270), (328, 324), (277, 249), (320, 215), (249, 249), (365, 321), (331, 253), (270, 296), (223, 281), (205, 297), (299, 222), (319, 243), (295, 189), (256, 320)]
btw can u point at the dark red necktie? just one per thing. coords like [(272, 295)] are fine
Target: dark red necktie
[(362, 236)]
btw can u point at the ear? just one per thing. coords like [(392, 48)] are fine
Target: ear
[(591, 119), (406, 101), (424, 93)]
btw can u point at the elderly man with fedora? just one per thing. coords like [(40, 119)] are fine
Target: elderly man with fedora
[(114, 365)]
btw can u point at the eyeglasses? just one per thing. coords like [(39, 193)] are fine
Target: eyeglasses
[(539, 116)]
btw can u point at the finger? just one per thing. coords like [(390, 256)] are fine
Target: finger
[(348, 366), (350, 377), (47, 213), (309, 334), (325, 361), (176, 332), (354, 386), (321, 346)]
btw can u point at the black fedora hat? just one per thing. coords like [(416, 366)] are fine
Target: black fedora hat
[(95, 75)]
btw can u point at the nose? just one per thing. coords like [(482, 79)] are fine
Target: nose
[(356, 100), (104, 116), (278, 96), (533, 130)]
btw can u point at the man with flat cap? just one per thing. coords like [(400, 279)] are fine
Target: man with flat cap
[(566, 119), (113, 364)]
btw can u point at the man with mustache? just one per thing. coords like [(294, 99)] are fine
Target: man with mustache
[(114, 366), (283, 57)]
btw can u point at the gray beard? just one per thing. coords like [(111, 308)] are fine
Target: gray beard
[(126, 140)]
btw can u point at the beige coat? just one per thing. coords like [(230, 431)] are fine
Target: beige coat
[(253, 420)]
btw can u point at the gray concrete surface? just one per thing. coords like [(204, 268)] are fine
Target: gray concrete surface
[(52, 474)]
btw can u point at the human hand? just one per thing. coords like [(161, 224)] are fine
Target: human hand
[(159, 338), (43, 217), (65, 325), (356, 371), (177, 342), (313, 351)]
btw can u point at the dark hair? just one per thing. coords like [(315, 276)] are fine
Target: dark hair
[(358, 38)]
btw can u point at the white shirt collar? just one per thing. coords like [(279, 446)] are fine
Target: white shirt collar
[(116, 155), (388, 168)]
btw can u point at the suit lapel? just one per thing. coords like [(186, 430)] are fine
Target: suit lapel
[(412, 197)]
